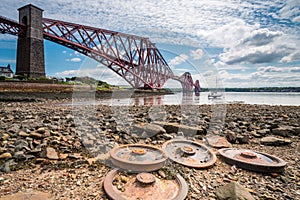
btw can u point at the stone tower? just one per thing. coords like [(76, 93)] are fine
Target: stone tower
[(30, 52)]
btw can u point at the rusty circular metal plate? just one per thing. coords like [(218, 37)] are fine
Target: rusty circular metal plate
[(120, 188), (138, 158), (252, 160), (189, 153)]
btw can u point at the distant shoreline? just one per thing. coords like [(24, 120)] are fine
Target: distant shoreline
[(37, 87)]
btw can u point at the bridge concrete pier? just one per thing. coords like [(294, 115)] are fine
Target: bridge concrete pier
[(30, 51)]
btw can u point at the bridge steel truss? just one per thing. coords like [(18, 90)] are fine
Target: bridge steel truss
[(11, 27), (134, 58)]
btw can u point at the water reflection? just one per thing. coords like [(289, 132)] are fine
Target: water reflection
[(188, 98), (148, 101), (202, 98)]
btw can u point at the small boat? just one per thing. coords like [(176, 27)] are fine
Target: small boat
[(215, 95)]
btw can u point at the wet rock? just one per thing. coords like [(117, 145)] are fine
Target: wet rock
[(8, 165), (233, 191), (51, 153), (263, 132), (56, 118), (284, 131), (13, 129), (187, 130), (243, 139), (148, 130), (230, 136), (274, 141), (167, 136), (19, 155)]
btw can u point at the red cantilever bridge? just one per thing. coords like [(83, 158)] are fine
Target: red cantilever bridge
[(134, 58)]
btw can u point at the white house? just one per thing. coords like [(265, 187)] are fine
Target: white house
[(6, 71)]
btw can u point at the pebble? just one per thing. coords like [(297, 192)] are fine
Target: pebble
[(5, 156), (35, 135), (51, 153)]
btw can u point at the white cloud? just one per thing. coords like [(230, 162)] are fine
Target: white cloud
[(270, 69), (294, 69), (223, 66), (262, 46), (75, 59), (178, 60), (197, 54)]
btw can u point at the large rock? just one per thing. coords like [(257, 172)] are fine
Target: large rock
[(51, 153), (233, 191), (284, 131), (217, 141), (187, 130), (274, 141), (148, 130)]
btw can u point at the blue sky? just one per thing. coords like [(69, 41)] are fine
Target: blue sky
[(252, 43)]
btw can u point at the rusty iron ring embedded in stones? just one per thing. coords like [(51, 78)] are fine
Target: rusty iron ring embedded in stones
[(189, 153), (138, 158), (162, 189), (252, 160)]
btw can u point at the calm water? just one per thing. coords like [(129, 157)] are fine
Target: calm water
[(269, 98)]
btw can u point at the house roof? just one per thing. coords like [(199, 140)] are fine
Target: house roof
[(5, 70)]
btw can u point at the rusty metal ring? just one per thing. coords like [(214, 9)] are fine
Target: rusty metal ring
[(202, 158), (113, 193), (252, 160), (136, 152)]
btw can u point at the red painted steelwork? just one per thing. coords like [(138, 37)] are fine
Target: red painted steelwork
[(11, 27), (134, 58)]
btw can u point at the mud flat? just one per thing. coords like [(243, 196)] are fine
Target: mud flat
[(49, 147)]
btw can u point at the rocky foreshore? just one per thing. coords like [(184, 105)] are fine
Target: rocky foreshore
[(62, 150)]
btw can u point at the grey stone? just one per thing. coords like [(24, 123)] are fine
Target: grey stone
[(243, 139), (19, 155), (263, 132), (233, 191), (13, 129), (274, 141), (230, 136), (187, 130), (148, 130), (284, 131)]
